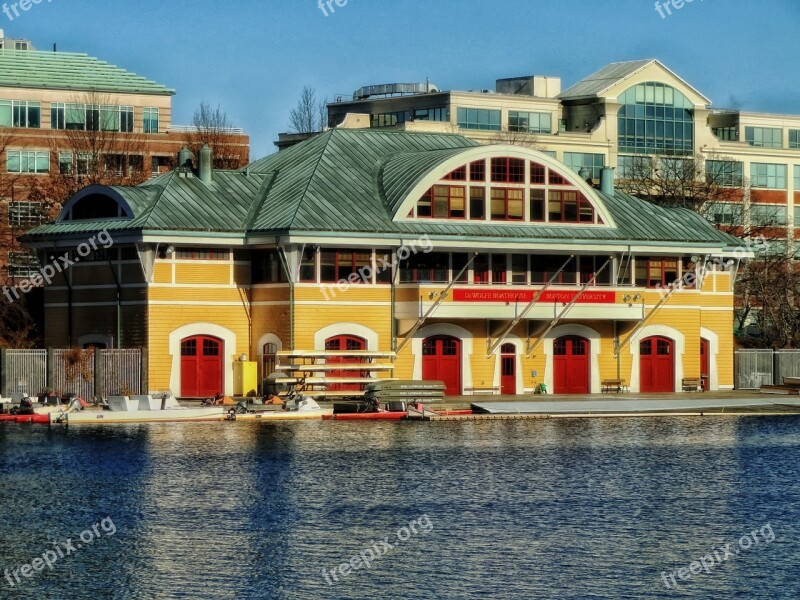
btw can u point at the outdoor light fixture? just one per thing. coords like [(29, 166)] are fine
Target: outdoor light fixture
[(165, 251)]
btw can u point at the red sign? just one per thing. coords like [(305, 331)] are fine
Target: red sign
[(525, 296)]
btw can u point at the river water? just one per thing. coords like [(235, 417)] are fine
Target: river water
[(595, 508)]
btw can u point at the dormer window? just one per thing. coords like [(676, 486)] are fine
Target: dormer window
[(518, 191)]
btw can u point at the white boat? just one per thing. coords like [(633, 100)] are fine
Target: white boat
[(138, 409)]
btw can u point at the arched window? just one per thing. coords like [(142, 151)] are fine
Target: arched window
[(507, 189), (655, 118)]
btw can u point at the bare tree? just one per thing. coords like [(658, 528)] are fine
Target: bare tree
[(679, 181), (213, 127), (517, 138), (96, 149), (310, 115)]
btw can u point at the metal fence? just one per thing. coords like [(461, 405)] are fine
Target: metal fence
[(755, 368), (25, 372), (86, 373)]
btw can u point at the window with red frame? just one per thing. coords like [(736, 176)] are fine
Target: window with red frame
[(460, 174), (477, 203), (537, 205), (537, 174), (569, 207), (653, 272), (556, 178), (443, 202), (480, 269), (507, 204), (508, 170), (339, 265), (499, 268), (543, 267), (477, 170)]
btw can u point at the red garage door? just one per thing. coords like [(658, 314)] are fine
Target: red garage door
[(657, 365), (441, 361), (201, 366), (345, 343), (571, 365), (508, 369)]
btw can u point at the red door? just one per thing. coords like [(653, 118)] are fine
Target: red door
[(657, 365), (201, 366), (441, 361), (508, 369), (571, 365), (705, 363), (345, 343)]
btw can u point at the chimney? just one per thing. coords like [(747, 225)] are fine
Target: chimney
[(206, 169), (185, 158), (607, 181)]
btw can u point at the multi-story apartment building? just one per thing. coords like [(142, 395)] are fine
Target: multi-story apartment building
[(63, 113), (612, 117)]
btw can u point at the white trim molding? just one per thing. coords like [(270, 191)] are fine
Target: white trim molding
[(322, 335), (210, 329), (663, 331), (713, 353), (444, 329), (594, 353)]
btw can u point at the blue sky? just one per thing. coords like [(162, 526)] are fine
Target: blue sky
[(254, 56)]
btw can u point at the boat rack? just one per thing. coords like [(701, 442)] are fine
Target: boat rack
[(334, 374)]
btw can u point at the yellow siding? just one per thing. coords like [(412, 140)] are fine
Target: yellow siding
[(203, 273)]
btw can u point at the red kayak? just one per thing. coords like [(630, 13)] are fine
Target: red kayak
[(26, 418)]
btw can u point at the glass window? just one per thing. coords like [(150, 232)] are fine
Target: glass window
[(150, 120), (537, 174), (477, 203), (519, 269), (479, 118), (426, 268), (726, 173), (797, 178), (58, 116), (537, 205), (340, 265), (211, 254), (443, 202), (543, 267), (20, 113), (766, 137), (653, 272), (477, 171), (480, 269), (794, 138), (765, 215), (24, 214), (569, 207), (724, 213), (729, 134), (578, 160), (499, 268), (508, 170), (655, 119), (27, 161), (507, 204), (308, 265), (530, 122), (764, 175)]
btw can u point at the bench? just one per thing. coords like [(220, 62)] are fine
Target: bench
[(692, 384), (608, 386), (485, 390)]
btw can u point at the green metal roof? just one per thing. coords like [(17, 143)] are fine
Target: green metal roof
[(351, 182), (70, 71)]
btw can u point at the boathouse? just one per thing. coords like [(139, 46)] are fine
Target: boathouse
[(494, 268)]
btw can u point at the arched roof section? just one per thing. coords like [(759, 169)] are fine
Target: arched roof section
[(440, 165), (103, 202)]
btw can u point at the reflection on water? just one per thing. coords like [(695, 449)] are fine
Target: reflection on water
[(520, 509)]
